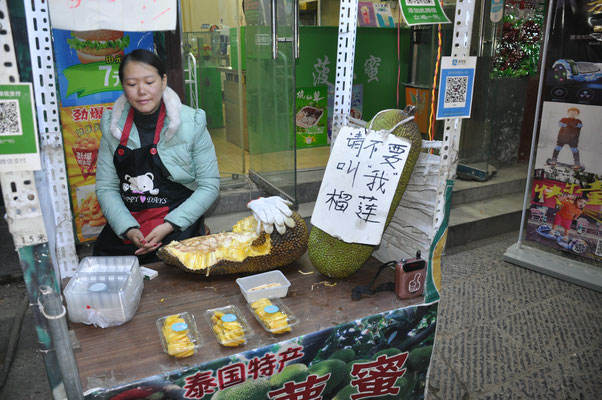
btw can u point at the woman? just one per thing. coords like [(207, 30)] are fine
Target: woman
[(157, 171)]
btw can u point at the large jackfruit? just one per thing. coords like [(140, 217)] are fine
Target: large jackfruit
[(338, 259), (239, 251)]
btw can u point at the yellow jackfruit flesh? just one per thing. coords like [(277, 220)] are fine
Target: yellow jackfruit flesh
[(178, 343), (275, 322), (240, 251), (229, 333)]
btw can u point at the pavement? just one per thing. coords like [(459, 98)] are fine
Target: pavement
[(504, 332)]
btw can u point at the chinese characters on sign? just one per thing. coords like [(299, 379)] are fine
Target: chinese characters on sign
[(202, 383), (423, 12), (371, 378), (321, 71), (359, 183)]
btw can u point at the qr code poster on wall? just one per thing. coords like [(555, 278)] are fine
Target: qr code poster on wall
[(455, 87), (19, 148)]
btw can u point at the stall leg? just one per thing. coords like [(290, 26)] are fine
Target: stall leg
[(53, 310), (51, 327)]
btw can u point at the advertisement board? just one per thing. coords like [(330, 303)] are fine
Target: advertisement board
[(88, 78), (566, 208), (311, 118)]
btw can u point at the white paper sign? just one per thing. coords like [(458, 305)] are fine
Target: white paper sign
[(359, 185), (119, 15)]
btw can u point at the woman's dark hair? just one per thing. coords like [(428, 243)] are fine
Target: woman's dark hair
[(143, 56)]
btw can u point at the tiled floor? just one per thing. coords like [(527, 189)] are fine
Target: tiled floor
[(230, 157)]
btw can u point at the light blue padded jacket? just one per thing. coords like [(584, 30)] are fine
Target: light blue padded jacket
[(186, 149)]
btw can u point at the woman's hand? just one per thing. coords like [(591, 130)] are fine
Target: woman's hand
[(154, 239), (137, 237)]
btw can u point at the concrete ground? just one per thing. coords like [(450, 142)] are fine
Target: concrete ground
[(503, 332)]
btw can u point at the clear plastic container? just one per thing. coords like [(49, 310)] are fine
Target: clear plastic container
[(105, 291), (229, 326), (273, 315), (268, 285), (179, 335)]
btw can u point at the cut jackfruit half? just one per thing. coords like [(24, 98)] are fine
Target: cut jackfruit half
[(239, 251)]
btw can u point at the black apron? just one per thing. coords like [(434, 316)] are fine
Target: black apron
[(146, 191)]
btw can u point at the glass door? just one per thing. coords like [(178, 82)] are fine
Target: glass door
[(212, 79), (271, 39)]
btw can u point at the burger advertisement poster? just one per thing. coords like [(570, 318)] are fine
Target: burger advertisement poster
[(88, 74), (88, 63)]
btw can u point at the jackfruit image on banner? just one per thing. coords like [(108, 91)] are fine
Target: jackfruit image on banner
[(338, 259), (240, 251)]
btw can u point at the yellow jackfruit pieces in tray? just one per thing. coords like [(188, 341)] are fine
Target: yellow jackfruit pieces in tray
[(229, 326), (179, 335), (273, 315)]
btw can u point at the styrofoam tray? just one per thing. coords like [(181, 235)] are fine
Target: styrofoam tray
[(257, 286)]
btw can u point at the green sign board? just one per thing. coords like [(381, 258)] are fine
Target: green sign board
[(19, 149), (423, 12), (311, 119)]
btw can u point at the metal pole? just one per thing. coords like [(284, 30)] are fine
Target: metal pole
[(54, 312), (536, 122)]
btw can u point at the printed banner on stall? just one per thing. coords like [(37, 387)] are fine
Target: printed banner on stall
[(81, 137), (311, 120), (19, 146), (359, 184), (423, 12), (143, 15), (566, 207), (384, 356)]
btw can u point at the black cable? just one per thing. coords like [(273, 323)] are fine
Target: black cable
[(13, 340)]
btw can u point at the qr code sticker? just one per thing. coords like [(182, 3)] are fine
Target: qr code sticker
[(10, 118), (420, 2), (455, 91), (599, 248)]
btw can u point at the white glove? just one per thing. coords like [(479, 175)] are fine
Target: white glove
[(270, 212)]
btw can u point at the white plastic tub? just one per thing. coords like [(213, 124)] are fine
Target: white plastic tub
[(105, 291), (269, 285)]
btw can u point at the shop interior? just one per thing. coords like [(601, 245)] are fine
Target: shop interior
[(250, 141)]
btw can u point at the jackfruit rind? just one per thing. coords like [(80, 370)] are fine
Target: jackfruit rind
[(337, 370), (256, 389), (246, 251), (291, 373), (338, 259)]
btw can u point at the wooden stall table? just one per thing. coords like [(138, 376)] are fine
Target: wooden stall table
[(117, 355)]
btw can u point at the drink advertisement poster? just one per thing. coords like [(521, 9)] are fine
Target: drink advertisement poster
[(566, 207), (311, 120), (88, 75)]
